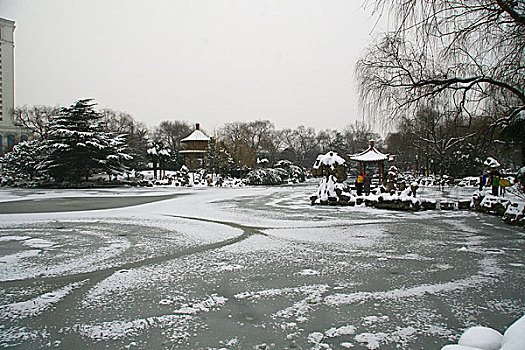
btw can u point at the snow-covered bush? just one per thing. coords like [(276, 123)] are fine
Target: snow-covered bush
[(266, 177), (295, 173)]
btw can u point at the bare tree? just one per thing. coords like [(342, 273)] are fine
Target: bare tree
[(247, 141), (469, 53), (303, 142), (262, 137), (171, 132), (35, 118), (236, 137), (358, 136)]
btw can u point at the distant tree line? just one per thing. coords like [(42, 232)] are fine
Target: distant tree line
[(71, 143), (433, 142)]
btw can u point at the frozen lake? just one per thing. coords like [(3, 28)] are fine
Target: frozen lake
[(244, 268)]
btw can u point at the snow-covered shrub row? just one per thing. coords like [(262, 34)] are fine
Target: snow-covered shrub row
[(515, 214), (266, 177), (284, 171), (184, 177), (294, 171), (485, 338)]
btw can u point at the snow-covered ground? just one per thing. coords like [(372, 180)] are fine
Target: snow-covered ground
[(240, 268)]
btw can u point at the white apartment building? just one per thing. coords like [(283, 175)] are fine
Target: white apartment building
[(10, 134)]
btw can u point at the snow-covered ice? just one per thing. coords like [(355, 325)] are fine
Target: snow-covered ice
[(236, 268)]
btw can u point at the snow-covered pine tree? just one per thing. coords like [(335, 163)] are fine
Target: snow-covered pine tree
[(22, 161), (212, 157), (218, 160), (77, 144)]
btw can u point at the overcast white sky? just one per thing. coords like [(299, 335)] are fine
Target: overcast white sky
[(211, 61)]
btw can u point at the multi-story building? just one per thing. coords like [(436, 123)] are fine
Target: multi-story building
[(10, 133)]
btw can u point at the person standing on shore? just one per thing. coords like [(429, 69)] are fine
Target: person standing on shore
[(359, 184), (366, 184), (495, 183)]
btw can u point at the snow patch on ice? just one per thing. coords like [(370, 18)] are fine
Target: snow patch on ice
[(38, 243), (308, 272), (300, 310), (375, 340), (221, 267), (15, 335), (342, 299), (369, 320), (372, 340), (337, 332), (315, 337), (177, 323), (38, 305), (16, 257)]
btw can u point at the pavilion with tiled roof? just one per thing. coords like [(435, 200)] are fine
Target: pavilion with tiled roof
[(195, 148), (370, 155)]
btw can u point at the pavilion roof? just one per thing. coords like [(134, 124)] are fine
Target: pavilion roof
[(196, 135), (372, 154)]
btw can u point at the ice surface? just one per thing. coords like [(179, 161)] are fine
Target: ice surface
[(279, 271)]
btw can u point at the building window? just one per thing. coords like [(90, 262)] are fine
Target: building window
[(23, 138), (10, 142)]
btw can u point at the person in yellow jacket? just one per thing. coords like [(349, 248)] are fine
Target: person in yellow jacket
[(359, 184)]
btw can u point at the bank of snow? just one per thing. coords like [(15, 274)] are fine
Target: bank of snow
[(485, 338)]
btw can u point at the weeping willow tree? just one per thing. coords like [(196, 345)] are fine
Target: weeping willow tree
[(465, 57)]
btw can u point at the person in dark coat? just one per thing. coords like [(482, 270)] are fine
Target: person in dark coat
[(366, 184), (482, 179)]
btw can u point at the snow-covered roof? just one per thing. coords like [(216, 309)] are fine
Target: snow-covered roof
[(370, 155), (196, 135)]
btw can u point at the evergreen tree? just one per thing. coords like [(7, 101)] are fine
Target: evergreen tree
[(77, 145), (218, 160), (23, 160)]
